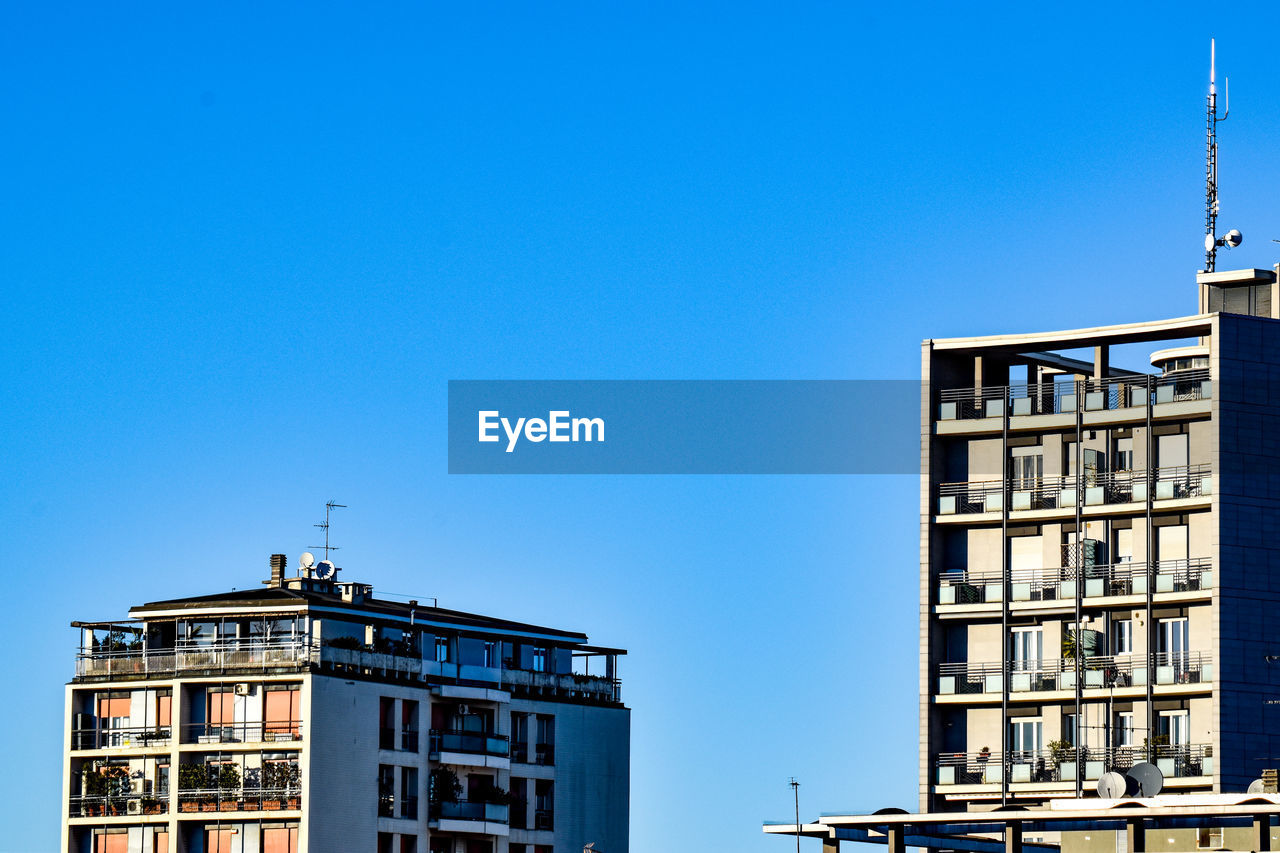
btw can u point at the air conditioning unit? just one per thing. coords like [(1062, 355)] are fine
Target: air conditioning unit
[(244, 688), (133, 807)]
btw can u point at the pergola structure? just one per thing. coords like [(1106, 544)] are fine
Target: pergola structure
[(1002, 831)]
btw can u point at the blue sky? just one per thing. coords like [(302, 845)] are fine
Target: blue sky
[(245, 247)]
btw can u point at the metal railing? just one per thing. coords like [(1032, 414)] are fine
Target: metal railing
[(218, 658), (257, 732), (465, 810), (1056, 398), (1059, 492), (108, 738), (474, 743), (116, 805), (1099, 671), (1061, 764), (1058, 584), (570, 684), (239, 799)]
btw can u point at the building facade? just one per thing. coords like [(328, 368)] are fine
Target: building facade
[(1100, 555), (314, 716)]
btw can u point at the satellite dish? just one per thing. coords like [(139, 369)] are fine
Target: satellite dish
[(1112, 786), (307, 560), (1148, 778), (1234, 238), (1257, 786), (325, 570)]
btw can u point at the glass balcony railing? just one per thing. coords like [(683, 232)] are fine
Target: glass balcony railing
[(473, 743), (127, 737), (260, 732), (464, 810), (1057, 398), (213, 658)]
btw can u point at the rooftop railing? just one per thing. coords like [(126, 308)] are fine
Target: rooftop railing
[(227, 657), (1057, 398), (1060, 492), (564, 684)]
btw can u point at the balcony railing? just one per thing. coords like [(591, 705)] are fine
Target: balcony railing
[(1059, 584), (473, 743), (1108, 487), (1056, 398), (219, 658), (1060, 765), (239, 800), (113, 806), (564, 684), (1099, 671), (464, 810), (268, 732), (123, 738)]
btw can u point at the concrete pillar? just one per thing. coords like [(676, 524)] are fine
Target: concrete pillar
[(1013, 837), (831, 845), (1262, 833), (1101, 361), (897, 839), (1137, 834)]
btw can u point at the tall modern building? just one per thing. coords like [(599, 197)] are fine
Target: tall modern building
[(314, 716), (1100, 554)]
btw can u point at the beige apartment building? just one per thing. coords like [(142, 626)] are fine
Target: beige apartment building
[(314, 716), (1100, 553)]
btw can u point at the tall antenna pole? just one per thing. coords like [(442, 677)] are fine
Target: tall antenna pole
[(328, 508), (795, 787), (1211, 239)]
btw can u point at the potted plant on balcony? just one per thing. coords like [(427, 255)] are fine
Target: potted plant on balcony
[(1063, 762), (442, 787), (193, 784), (228, 778)]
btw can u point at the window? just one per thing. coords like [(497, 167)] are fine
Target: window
[(221, 705), (386, 791), (490, 654), (1069, 728), (1026, 467), (408, 844), (162, 780), (539, 659), (108, 841), (1174, 642), (1171, 545), (1176, 726), (1026, 738), (282, 714), (519, 737), (1122, 637), (219, 840), (160, 841), (1171, 452), (545, 744), (1124, 545), (544, 804), (1026, 649), (519, 812), (409, 725), (1124, 728), (386, 842), (442, 649), (386, 723), (1123, 460), (280, 839), (409, 793)]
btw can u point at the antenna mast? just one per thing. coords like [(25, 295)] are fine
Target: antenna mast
[(329, 507), (1211, 239)]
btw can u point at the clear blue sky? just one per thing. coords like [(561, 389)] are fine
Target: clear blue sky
[(244, 248)]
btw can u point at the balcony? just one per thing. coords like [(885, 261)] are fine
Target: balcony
[(231, 657), (1059, 584), (1060, 765), (464, 810), (121, 738), (282, 731), (469, 743), (117, 805), (1099, 671), (1060, 493), (1059, 398), (570, 685), (239, 799)]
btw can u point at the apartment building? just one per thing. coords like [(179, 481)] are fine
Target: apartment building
[(314, 716), (1100, 554)]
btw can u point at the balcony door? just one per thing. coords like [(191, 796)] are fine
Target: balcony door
[(1026, 468), (1026, 739), (1026, 649), (1176, 726), (1174, 642)]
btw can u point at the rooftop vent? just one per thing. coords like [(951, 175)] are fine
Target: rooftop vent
[(278, 563)]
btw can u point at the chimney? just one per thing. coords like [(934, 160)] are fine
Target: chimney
[(278, 562)]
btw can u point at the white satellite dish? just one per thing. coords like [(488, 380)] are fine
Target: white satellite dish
[(1112, 786), (1257, 786), (307, 560), (325, 570)]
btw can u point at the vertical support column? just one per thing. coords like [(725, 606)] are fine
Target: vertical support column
[(1137, 834), (1005, 595), (1101, 361), (1262, 833), (831, 844), (897, 838), (1149, 656), (1013, 837), (1082, 387)]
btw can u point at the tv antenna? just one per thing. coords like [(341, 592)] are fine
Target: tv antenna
[(795, 788), (1233, 238), (329, 507)]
